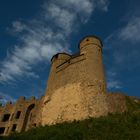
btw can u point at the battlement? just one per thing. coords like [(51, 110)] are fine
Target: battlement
[(60, 57), (22, 99)]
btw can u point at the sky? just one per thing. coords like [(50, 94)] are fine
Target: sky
[(32, 31)]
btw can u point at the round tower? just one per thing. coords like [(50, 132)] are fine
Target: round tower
[(91, 47)]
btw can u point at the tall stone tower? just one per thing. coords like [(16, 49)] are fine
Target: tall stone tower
[(91, 47), (86, 67), (76, 87)]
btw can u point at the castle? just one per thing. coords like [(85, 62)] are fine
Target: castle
[(76, 90)]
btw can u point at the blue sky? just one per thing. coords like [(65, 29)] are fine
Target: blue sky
[(31, 32)]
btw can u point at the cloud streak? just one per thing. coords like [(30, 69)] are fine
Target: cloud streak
[(124, 47), (112, 81), (131, 32), (43, 36)]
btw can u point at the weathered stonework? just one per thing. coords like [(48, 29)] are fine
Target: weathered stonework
[(76, 90), (19, 116)]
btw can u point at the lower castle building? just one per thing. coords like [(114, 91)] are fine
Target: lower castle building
[(76, 90)]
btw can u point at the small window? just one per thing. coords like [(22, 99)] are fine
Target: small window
[(14, 127), (6, 117), (34, 124), (2, 129), (18, 114)]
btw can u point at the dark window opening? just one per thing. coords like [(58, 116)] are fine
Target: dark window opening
[(14, 127), (27, 117), (6, 117), (34, 124), (87, 40), (2, 129), (18, 114)]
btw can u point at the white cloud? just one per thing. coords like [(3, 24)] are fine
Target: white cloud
[(64, 18), (131, 31), (46, 35), (113, 84), (123, 46), (79, 5), (103, 4), (112, 81), (18, 26)]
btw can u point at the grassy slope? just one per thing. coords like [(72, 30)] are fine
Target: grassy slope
[(124, 126)]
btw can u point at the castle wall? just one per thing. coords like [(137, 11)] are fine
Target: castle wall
[(19, 116), (73, 103), (5, 110)]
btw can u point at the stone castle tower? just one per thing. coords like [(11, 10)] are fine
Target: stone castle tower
[(85, 66), (76, 90), (76, 86)]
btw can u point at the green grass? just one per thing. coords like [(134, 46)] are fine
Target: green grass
[(124, 126)]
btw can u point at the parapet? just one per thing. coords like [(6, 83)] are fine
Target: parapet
[(9, 105), (21, 99), (62, 57), (90, 40), (32, 98)]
